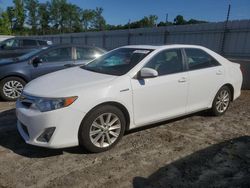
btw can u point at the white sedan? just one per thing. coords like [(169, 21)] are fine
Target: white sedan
[(132, 86)]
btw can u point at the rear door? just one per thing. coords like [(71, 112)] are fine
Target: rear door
[(206, 75), (53, 60), (84, 55)]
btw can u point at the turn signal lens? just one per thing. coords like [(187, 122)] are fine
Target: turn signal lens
[(69, 101)]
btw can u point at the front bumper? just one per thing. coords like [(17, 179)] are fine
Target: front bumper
[(32, 123)]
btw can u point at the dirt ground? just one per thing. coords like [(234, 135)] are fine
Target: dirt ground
[(194, 151)]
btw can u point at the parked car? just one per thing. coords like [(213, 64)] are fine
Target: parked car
[(17, 46), (129, 87), (16, 72)]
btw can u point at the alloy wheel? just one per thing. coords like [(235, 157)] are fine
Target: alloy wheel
[(222, 101), (13, 89), (105, 130)]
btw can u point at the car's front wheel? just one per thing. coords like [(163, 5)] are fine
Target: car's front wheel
[(102, 128), (11, 88), (221, 101)]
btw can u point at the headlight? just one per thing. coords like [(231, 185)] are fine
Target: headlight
[(47, 104)]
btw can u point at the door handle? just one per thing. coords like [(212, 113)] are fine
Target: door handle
[(183, 79), (219, 72)]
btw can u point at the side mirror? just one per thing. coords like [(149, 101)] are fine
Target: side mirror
[(3, 46), (36, 61), (147, 73)]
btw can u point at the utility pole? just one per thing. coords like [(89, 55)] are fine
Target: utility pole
[(166, 18), (225, 30), (228, 12)]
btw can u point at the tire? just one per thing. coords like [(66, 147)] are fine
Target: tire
[(96, 134), (11, 88), (221, 101)]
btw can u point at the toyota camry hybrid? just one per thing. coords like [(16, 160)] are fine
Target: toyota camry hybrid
[(132, 86)]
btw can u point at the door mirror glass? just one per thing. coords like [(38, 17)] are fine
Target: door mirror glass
[(147, 73), (36, 61), (3, 46)]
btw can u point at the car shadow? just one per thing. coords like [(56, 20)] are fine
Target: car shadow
[(226, 164), (204, 113)]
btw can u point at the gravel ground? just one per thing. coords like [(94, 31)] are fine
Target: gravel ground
[(194, 151)]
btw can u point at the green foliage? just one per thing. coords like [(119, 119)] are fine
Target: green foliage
[(11, 15), (19, 14), (5, 25), (179, 20), (44, 18), (87, 18), (60, 16), (98, 21), (32, 8)]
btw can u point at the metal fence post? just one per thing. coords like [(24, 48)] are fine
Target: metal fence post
[(129, 36), (104, 41), (86, 39), (166, 33)]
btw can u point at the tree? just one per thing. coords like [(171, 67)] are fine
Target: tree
[(32, 8), (179, 20), (11, 15), (98, 22), (44, 17), (73, 22), (65, 16), (19, 15), (193, 21), (88, 16), (5, 25)]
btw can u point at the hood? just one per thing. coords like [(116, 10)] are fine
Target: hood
[(64, 83)]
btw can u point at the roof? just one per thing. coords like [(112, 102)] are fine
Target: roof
[(154, 47)]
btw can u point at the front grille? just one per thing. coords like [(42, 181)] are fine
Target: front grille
[(25, 129)]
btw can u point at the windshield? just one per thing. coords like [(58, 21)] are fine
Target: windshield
[(117, 62)]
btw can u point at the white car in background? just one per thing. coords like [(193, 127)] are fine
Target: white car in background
[(132, 86)]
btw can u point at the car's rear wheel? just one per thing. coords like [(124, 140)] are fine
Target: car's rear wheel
[(221, 101), (102, 128), (11, 88)]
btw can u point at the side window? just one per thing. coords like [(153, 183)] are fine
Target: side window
[(85, 53), (42, 43), (55, 55), (11, 43), (29, 42), (167, 62), (198, 59)]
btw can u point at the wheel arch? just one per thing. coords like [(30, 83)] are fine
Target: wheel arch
[(116, 104), (16, 75), (231, 88)]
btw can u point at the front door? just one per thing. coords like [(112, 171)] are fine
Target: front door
[(53, 60), (162, 97)]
